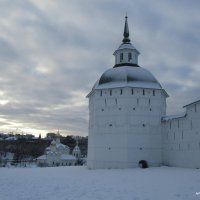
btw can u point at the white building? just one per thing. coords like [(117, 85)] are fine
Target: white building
[(181, 137), (127, 109), (56, 154), (76, 151)]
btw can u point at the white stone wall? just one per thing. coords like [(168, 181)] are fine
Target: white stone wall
[(125, 127), (181, 139)]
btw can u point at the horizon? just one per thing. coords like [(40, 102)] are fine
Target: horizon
[(49, 64)]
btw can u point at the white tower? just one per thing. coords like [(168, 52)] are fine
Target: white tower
[(76, 151), (125, 109)]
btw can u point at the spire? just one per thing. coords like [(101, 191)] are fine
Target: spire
[(126, 32), (126, 54)]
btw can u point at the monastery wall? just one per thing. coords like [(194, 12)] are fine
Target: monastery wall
[(124, 127), (181, 138)]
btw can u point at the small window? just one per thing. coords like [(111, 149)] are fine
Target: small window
[(110, 92), (132, 91), (101, 93), (143, 92), (116, 101), (121, 92), (129, 57), (153, 92), (121, 57)]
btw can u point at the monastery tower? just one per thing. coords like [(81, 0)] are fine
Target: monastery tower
[(126, 106)]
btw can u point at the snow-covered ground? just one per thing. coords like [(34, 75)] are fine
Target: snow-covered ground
[(79, 183)]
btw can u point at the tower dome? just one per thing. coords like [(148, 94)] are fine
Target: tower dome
[(127, 76), (126, 71)]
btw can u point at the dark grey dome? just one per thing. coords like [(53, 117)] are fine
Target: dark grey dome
[(127, 76)]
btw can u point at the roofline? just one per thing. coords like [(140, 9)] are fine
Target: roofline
[(167, 118), (87, 96), (191, 103), (134, 49), (126, 64)]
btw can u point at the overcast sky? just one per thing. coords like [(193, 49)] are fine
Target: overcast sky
[(53, 51)]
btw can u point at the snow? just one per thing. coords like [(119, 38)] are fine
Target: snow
[(174, 116), (138, 84), (126, 46), (74, 183), (127, 76), (59, 145), (11, 138), (67, 157), (43, 157), (194, 101)]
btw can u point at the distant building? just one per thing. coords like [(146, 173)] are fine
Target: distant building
[(56, 154), (76, 151), (6, 158), (51, 136)]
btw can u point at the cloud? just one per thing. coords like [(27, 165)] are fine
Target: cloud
[(52, 52)]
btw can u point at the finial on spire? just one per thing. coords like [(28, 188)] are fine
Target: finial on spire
[(126, 31)]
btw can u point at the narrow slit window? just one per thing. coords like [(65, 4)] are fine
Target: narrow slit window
[(153, 92), (129, 57), (143, 92), (121, 91), (132, 92), (110, 92), (121, 57), (101, 93)]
